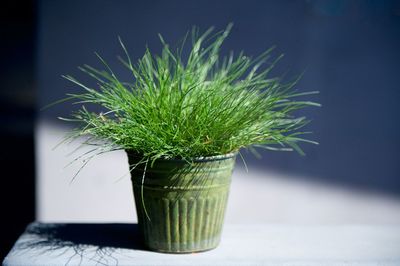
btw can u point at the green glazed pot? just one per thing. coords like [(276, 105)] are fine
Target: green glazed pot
[(181, 205)]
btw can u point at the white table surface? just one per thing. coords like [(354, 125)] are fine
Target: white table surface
[(268, 244)]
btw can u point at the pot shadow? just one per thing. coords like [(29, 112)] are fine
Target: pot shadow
[(102, 240)]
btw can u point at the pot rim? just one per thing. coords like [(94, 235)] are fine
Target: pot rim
[(195, 159)]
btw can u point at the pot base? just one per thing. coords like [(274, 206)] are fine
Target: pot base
[(183, 252)]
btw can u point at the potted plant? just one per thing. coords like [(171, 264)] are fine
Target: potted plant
[(182, 121)]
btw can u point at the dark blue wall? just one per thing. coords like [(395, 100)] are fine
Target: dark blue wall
[(17, 113), (349, 49)]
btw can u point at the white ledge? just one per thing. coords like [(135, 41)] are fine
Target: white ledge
[(119, 244)]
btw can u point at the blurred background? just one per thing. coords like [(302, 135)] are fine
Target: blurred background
[(349, 51)]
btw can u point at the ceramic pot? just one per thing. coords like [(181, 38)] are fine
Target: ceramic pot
[(180, 204)]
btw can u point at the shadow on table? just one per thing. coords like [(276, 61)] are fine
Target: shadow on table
[(101, 236), (74, 244)]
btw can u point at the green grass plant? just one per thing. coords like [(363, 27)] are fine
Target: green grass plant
[(200, 105)]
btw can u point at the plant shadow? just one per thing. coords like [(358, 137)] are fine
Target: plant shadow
[(75, 243), (125, 236)]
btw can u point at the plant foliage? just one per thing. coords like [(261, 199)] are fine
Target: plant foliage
[(201, 105)]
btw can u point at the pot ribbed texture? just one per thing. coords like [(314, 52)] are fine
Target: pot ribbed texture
[(181, 205)]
